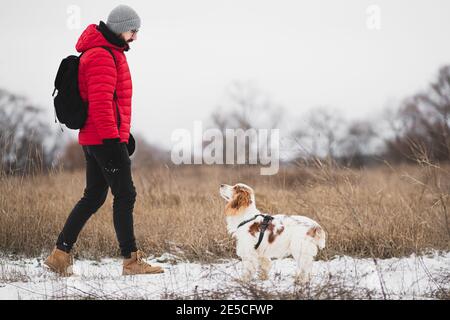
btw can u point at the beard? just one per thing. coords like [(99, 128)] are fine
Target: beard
[(127, 41)]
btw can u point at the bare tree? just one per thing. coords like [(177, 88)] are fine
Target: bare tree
[(246, 107), (320, 133), (358, 146), (25, 144), (422, 124)]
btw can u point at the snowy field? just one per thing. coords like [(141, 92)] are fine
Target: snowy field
[(414, 277)]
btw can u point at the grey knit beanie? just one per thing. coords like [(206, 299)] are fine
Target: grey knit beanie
[(122, 19)]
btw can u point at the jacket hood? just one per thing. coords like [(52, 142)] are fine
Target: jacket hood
[(100, 36)]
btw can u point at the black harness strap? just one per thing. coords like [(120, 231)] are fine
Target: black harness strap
[(262, 227), (249, 220)]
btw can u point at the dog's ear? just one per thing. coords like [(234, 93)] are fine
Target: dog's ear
[(242, 199)]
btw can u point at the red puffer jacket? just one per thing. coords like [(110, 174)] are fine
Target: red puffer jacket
[(99, 76)]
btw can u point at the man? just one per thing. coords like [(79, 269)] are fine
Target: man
[(105, 83)]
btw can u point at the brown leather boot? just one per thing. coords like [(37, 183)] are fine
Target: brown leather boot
[(60, 262), (136, 265)]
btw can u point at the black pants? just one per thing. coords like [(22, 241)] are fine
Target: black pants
[(97, 183)]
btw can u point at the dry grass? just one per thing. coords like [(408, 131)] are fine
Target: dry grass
[(381, 212)]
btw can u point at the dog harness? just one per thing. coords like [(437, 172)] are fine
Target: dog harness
[(262, 227)]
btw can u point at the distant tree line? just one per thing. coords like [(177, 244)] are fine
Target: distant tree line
[(417, 130), (27, 144)]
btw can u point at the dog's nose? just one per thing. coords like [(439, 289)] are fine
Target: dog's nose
[(222, 185)]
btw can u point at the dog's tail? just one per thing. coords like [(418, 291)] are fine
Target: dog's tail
[(319, 236)]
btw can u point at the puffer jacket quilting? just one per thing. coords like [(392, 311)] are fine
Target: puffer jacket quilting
[(99, 77)]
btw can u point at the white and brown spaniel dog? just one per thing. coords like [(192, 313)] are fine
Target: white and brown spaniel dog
[(284, 235)]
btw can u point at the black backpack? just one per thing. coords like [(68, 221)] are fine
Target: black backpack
[(70, 109)]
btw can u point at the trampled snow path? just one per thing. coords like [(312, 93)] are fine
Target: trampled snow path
[(414, 277)]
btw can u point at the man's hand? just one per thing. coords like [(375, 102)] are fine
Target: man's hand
[(113, 155)]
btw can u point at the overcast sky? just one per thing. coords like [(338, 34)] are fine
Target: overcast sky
[(303, 54)]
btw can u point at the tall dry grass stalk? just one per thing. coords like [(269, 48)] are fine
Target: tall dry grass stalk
[(381, 212)]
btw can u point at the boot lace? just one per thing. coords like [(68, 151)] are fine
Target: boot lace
[(140, 258)]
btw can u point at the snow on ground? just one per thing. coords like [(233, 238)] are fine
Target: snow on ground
[(414, 277)]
